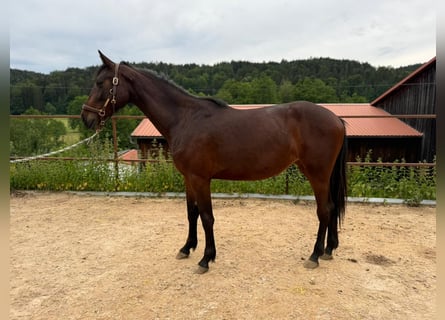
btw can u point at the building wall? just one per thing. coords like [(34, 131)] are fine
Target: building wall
[(149, 147), (417, 96), (385, 149)]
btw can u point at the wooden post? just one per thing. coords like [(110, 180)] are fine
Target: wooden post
[(286, 191), (116, 159)]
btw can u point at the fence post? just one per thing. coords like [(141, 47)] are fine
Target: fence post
[(286, 191), (115, 158)]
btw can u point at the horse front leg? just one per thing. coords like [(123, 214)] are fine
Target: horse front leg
[(199, 203), (192, 238), (210, 248)]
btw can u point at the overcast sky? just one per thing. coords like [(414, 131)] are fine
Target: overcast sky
[(56, 34)]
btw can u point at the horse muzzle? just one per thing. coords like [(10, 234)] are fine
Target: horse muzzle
[(90, 119)]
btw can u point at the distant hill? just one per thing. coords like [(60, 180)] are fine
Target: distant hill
[(51, 93)]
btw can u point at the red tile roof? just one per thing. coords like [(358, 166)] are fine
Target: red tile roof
[(146, 129), (355, 127), (129, 155), (371, 127)]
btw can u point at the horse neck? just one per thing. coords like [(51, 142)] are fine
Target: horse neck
[(163, 103)]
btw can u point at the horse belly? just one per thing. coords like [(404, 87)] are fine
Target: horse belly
[(253, 169), (239, 148)]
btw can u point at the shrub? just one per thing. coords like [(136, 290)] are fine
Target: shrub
[(160, 175)]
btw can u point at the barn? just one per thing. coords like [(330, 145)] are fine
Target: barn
[(367, 127), (415, 95)]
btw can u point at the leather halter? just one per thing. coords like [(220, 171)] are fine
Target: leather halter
[(101, 112)]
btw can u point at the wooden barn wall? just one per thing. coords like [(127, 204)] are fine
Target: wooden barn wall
[(149, 147), (417, 96), (385, 149)]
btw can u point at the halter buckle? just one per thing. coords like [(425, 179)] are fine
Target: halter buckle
[(115, 81)]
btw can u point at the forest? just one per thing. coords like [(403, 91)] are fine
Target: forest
[(237, 82), (320, 80)]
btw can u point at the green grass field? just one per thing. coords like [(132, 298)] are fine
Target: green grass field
[(72, 135)]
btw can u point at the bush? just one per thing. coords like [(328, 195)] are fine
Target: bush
[(412, 184), (97, 174)]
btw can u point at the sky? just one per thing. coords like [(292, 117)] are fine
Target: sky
[(52, 35)]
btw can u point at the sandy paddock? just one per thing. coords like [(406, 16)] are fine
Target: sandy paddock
[(96, 257)]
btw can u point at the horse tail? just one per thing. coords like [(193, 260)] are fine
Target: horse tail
[(338, 182)]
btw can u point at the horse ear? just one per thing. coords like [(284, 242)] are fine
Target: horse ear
[(105, 60)]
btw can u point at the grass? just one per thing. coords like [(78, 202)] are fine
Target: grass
[(413, 184), (72, 136)]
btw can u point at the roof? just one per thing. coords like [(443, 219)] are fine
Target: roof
[(129, 155), (146, 129), (405, 80), (355, 127), (371, 127)]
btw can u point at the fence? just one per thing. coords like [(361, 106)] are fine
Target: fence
[(116, 159), (284, 183)]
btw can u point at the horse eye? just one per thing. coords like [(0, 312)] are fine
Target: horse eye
[(99, 84)]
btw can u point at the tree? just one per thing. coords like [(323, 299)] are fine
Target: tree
[(74, 108), (263, 90), (346, 76), (235, 92), (49, 108), (355, 98), (314, 90), (35, 136), (286, 91)]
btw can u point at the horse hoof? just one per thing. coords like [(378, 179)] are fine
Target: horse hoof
[(181, 255), (309, 264), (201, 270), (327, 257)]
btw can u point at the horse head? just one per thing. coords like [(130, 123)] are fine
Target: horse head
[(109, 93)]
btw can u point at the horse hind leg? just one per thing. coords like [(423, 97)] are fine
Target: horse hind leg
[(320, 186), (338, 194), (332, 241), (318, 250), (328, 222)]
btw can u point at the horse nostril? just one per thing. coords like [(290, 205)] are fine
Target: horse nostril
[(89, 122)]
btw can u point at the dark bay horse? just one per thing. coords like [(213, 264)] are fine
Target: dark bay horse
[(210, 140)]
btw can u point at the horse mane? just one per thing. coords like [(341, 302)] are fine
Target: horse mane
[(163, 77)]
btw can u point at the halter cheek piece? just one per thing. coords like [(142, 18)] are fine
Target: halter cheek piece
[(101, 112)]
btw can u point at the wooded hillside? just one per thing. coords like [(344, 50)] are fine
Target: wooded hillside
[(316, 79)]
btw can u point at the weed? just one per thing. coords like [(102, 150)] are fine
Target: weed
[(413, 184)]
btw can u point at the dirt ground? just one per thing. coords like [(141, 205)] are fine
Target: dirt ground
[(98, 257)]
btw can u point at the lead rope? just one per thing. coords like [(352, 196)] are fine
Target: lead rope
[(87, 141), (101, 113)]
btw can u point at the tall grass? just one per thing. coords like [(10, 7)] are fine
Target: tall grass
[(410, 183), (413, 184)]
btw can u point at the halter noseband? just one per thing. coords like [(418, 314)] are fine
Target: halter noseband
[(101, 111)]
